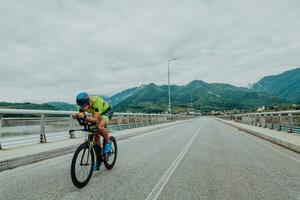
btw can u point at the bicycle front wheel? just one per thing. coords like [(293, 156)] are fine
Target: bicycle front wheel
[(110, 159), (82, 165)]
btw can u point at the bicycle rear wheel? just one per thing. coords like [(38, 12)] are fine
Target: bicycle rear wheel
[(82, 165), (111, 158)]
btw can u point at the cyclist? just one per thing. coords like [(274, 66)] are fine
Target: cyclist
[(101, 114)]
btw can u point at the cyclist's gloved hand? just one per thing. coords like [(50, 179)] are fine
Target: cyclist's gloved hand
[(80, 115), (75, 115)]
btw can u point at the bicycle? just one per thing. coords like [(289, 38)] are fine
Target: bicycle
[(86, 153)]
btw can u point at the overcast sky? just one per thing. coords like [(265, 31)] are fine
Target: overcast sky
[(50, 50)]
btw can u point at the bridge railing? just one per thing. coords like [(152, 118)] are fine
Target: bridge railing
[(19, 126), (288, 121)]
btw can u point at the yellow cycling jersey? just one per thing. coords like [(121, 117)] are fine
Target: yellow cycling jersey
[(98, 105)]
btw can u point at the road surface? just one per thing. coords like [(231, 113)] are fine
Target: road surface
[(197, 159)]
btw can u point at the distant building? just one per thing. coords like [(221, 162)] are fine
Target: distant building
[(261, 109)]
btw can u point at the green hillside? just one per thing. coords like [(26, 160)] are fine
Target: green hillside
[(205, 96), (285, 85), (27, 105), (63, 106)]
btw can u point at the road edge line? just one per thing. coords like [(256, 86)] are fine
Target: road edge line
[(276, 141)]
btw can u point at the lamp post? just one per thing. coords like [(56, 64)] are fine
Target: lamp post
[(173, 59)]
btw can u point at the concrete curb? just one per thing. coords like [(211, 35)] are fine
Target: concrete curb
[(277, 141), (25, 160), (29, 159)]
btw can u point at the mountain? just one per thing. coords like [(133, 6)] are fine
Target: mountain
[(278, 90), (204, 96), (62, 106), (117, 98), (35, 106), (285, 85), (27, 105)]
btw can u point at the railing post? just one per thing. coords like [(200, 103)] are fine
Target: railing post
[(290, 116), (280, 123), (1, 117), (144, 119), (71, 127), (135, 121), (272, 121), (147, 116), (255, 120), (128, 121), (119, 123), (42, 131), (265, 121), (151, 119)]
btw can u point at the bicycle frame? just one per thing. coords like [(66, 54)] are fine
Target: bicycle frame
[(89, 128), (93, 151)]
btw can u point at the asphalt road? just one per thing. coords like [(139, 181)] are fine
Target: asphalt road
[(198, 159)]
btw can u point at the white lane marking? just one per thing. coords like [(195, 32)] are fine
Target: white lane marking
[(165, 178), (266, 144)]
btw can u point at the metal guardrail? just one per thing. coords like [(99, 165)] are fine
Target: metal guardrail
[(43, 118), (288, 121)]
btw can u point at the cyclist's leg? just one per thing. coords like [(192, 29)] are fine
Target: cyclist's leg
[(101, 125), (98, 151), (97, 139)]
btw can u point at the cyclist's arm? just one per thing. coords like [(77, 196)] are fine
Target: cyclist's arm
[(79, 114), (93, 119)]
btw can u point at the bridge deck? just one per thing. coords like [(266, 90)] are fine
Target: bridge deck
[(197, 159)]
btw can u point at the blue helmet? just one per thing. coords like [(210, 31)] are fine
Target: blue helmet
[(82, 99)]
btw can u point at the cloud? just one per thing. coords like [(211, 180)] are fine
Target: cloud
[(50, 50)]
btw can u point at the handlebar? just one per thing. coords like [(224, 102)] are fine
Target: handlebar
[(87, 126), (84, 123)]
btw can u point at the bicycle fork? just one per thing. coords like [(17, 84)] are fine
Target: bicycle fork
[(90, 144)]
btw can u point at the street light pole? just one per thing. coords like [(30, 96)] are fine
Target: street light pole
[(169, 83)]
